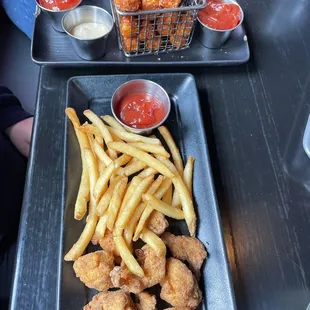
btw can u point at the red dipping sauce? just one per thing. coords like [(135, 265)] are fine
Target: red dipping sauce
[(140, 110), (58, 5), (220, 16)]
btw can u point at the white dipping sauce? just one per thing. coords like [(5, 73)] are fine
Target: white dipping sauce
[(88, 31)]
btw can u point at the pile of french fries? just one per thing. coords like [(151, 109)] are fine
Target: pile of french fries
[(125, 177)]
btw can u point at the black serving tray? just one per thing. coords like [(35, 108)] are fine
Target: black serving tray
[(186, 125), (53, 48)]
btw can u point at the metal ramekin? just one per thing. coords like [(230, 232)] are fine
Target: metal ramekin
[(213, 38), (141, 85), (56, 16), (90, 49)]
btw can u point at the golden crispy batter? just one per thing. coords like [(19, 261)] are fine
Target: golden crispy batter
[(157, 223), (184, 28), (154, 268), (180, 287), (123, 278), (153, 44), (146, 301), (148, 5), (94, 269), (177, 41), (167, 23), (128, 5), (147, 30), (130, 45), (186, 249), (169, 3), (107, 243), (128, 26), (116, 300)]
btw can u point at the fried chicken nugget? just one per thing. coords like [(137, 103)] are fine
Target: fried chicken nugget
[(178, 41), (186, 249), (146, 301), (154, 268), (180, 287), (167, 4), (128, 26), (147, 30), (167, 23), (94, 269), (184, 28), (128, 5), (130, 44), (157, 223), (112, 300), (149, 5), (108, 244), (153, 44)]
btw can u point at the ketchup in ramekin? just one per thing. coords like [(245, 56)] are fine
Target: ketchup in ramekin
[(220, 16), (58, 5)]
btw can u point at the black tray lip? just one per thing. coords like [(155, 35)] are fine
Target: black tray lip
[(207, 158), (94, 63)]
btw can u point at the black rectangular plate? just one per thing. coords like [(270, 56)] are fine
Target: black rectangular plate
[(53, 48), (186, 125)]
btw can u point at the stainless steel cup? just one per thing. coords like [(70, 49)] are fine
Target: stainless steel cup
[(56, 16), (141, 86), (213, 38), (93, 48)]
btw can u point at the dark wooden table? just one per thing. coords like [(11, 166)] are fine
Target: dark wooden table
[(255, 116)]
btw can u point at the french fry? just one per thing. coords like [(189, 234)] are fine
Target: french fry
[(188, 175), (175, 152), (102, 183), (89, 128), (122, 160), (147, 172), (167, 198), (93, 173), (79, 247), (133, 201), (127, 257), (103, 130), (83, 193), (148, 209), (91, 141), (116, 200), (151, 148), (105, 199), (153, 241), (163, 207), (132, 137), (132, 168), (101, 154), (142, 156), (100, 228), (110, 120), (187, 204), (99, 140)]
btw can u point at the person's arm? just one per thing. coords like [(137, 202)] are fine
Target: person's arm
[(14, 121)]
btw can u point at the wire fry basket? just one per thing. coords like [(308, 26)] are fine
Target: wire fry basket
[(156, 31)]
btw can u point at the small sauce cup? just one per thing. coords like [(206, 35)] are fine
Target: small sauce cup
[(92, 48), (141, 86), (56, 16), (214, 38)]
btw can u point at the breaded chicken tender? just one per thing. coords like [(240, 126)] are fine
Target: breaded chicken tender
[(128, 5), (108, 244), (146, 31), (180, 287), (130, 44), (169, 3), (149, 5), (186, 249), (167, 23), (94, 269), (178, 41), (146, 301), (128, 26), (157, 223), (112, 300), (154, 268), (153, 44)]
